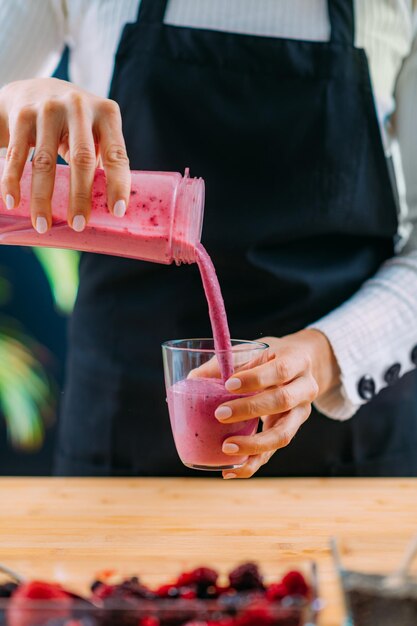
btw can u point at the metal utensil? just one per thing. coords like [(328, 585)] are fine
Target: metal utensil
[(397, 578), (11, 574)]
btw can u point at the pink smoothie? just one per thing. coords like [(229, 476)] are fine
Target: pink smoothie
[(217, 312), (197, 433), (162, 223)]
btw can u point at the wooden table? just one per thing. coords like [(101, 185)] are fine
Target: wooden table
[(67, 529)]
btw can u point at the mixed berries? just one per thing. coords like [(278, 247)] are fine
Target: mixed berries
[(195, 598)]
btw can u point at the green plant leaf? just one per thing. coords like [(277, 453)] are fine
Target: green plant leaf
[(26, 392), (61, 270)]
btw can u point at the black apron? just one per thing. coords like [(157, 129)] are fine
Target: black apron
[(300, 211)]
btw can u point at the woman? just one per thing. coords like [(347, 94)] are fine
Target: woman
[(272, 103)]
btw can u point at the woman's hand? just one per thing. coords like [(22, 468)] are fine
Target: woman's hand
[(294, 372), (55, 117)]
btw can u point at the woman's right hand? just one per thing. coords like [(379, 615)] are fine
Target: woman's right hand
[(56, 117)]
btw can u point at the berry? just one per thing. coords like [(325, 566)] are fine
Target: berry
[(167, 591), (20, 613), (257, 615), (7, 589), (38, 590), (103, 591), (246, 577), (199, 576), (296, 584), (149, 621), (132, 587), (206, 593), (276, 592), (188, 594)]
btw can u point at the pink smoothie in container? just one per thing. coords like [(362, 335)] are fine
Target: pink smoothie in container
[(162, 224), (198, 435)]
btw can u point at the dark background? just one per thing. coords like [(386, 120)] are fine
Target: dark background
[(32, 305)]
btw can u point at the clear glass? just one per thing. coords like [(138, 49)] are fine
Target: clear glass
[(163, 222), (363, 562), (291, 611), (194, 396)]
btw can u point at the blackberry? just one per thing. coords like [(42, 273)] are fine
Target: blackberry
[(205, 592), (132, 586), (246, 577), (7, 589)]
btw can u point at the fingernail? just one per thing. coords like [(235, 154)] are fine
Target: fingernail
[(229, 475), (41, 225), (9, 202), (230, 448), (233, 383), (119, 208), (78, 223), (223, 412)]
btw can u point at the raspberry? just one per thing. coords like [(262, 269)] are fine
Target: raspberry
[(188, 594), (276, 591), (149, 621), (258, 615), (246, 577), (296, 584), (199, 576), (167, 591), (38, 590), (20, 612)]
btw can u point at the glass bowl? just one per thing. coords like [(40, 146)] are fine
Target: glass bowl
[(227, 610)]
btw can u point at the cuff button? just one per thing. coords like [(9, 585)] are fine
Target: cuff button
[(366, 387), (392, 374)]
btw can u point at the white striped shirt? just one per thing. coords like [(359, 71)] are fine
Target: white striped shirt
[(378, 325)]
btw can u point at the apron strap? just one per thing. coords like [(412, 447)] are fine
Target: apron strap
[(342, 21), (152, 11)]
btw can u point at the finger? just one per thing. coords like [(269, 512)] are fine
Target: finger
[(63, 150), (82, 158), (21, 136), (210, 369), (114, 156), (277, 371), (280, 433), (250, 468), (277, 400), (50, 121), (241, 354)]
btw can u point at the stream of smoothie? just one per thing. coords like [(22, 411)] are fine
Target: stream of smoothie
[(217, 312)]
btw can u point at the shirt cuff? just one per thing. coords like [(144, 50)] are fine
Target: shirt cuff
[(373, 336)]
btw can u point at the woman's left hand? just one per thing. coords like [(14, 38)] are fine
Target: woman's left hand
[(298, 369)]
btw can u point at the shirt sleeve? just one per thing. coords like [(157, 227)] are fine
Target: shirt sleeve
[(374, 333), (32, 38)]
